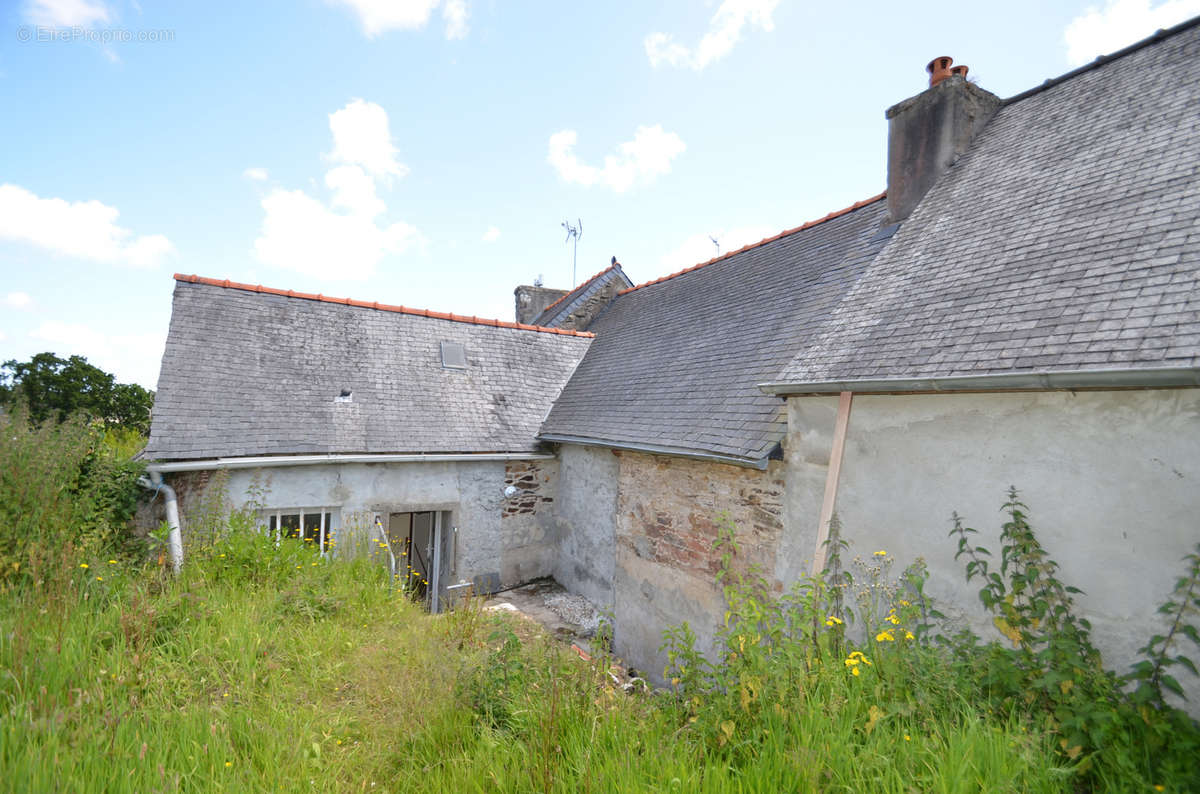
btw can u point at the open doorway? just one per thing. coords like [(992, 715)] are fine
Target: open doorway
[(413, 538)]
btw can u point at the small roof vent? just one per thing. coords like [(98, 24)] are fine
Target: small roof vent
[(454, 355), (346, 396)]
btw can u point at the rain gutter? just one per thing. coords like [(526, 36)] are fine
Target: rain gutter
[(272, 461), (654, 449), (1144, 378)]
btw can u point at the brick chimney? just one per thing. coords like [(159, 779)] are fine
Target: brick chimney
[(928, 132)]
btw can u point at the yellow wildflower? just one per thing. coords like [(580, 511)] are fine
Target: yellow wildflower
[(83, 565), (228, 763), (908, 635), (99, 578), (854, 670), (907, 738), (112, 562), (881, 553), (885, 636), (833, 621), (856, 658)]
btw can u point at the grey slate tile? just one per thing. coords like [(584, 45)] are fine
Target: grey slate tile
[(256, 374)]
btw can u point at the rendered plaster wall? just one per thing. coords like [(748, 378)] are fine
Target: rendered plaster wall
[(585, 519), (669, 512), (471, 492), (1111, 479), (528, 543)]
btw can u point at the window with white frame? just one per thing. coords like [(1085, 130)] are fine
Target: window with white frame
[(316, 526)]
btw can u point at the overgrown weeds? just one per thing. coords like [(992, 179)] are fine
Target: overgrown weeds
[(1113, 736), (267, 667)]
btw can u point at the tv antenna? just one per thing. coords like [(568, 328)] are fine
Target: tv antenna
[(717, 243), (573, 234)]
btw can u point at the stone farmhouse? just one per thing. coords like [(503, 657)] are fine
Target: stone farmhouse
[(1021, 307)]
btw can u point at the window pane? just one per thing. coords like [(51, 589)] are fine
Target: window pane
[(291, 525), (312, 528)]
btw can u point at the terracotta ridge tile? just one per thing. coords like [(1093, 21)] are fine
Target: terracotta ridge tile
[(583, 283), (807, 225), (383, 307)]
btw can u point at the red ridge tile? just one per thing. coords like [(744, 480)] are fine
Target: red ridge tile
[(572, 289), (835, 214), (383, 307)]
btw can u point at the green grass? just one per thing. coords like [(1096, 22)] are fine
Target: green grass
[(265, 669)]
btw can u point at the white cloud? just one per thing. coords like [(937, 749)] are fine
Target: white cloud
[(380, 16), (342, 239), (82, 229), (132, 358), (724, 31), (256, 174), (3, 336), (18, 300), (1121, 22), (639, 161), (699, 248), (361, 136), (300, 233), (455, 13), (354, 191), (66, 13), (491, 235)]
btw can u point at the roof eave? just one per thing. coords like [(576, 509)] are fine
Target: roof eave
[(275, 461), (658, 449), (1134, 378)]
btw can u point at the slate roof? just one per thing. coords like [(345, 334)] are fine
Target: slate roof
[(1066, 239), (558, 311), (676, 363), (250, 371)]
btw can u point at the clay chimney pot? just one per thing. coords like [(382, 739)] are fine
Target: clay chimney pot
[(939, 69)]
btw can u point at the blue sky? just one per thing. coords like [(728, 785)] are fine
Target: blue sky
[(425, 152)]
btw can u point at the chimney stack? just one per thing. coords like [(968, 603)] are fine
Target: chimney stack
[(531, 300), (928, 132)]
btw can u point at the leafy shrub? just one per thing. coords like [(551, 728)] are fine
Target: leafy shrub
[(66, 493), (1114, 737), (491, 688), (865, 705)]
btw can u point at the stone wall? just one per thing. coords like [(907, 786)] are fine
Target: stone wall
[(190, 489), (531, 301), (528, 540), (585, 516), (494, 539), (669, 512), (581, 317)]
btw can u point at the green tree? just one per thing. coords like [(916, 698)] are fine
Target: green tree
[(55, 388)]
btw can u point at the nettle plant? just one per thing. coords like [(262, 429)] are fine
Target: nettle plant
[(1151, 675), (1053, 666)]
